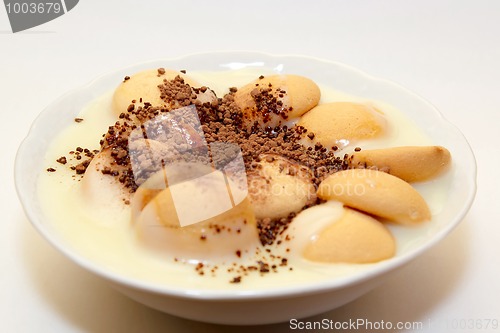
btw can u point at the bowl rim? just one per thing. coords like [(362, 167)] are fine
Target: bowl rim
[(224, 295)]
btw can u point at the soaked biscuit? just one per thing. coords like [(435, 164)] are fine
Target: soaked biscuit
[(99, 187), (193, 219), (143, 87), (410, 163), (377, 193), (274, 100), (353, 238), (341, 123), (278, 187)]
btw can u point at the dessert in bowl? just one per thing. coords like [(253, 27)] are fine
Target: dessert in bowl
[(322, 180)]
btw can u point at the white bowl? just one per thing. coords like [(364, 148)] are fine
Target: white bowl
[(254, 306)]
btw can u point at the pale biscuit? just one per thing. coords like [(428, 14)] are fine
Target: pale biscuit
[(410, 163), (377, 193), (340, 123), (286, 96), (144, 85), (353, 238), (278, 187), (97, 187), (219, 229), (156, 150)]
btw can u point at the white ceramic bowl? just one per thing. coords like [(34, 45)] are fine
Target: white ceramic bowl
[(254, 306)]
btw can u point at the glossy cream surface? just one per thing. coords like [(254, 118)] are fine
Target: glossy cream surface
[(97, 225)]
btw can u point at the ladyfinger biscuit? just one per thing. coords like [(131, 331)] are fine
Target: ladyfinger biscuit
[(339, 123), (143, 87), (278, 187), (159, 224), (353, 238), (377, 193), (273, 100), (410, 163)]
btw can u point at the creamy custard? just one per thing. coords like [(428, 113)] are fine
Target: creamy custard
[(99, 228)]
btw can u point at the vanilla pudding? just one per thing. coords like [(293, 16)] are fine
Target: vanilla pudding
[(98, 220)]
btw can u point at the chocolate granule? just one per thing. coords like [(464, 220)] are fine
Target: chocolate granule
[(263, 267), (268, 103), (62, 160), (236, 279), (78, 120), (51, 170), (81, 168)]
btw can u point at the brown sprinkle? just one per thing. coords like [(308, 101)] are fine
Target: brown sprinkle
[(80, 169), (62, 160), (236, 279)]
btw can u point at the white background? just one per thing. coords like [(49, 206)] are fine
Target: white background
[(446, 51)]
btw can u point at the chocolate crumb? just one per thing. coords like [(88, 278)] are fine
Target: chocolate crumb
[(263, 267), (51, 170), (357, 149), (161, 71), (126, 78), (80, 168), (78, 120), (62, 160), (236, 279)]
